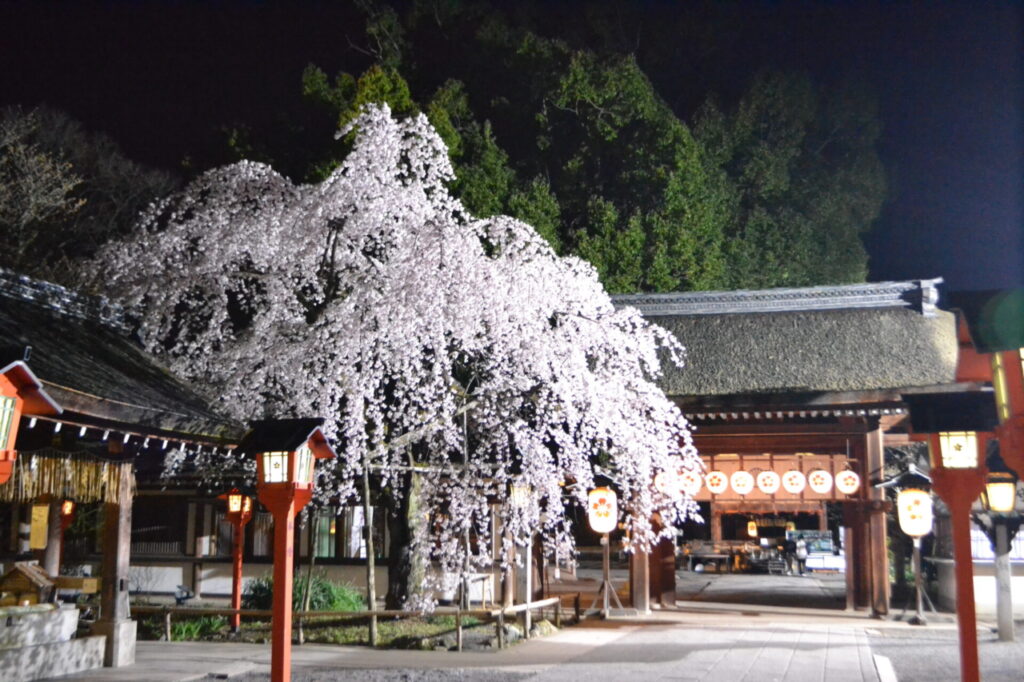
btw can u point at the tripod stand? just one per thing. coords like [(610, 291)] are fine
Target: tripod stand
[(919, 593), (607, 590)]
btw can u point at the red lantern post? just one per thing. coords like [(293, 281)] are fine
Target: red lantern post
[(239, 513), (285, 451)]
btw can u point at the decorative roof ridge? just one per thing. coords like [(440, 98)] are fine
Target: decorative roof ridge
[(63, 301), (920, 294)]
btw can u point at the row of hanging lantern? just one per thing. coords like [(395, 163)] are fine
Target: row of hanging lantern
[(768, 482)]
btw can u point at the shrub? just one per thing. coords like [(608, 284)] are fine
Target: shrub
[(192, 629), (325, 595)]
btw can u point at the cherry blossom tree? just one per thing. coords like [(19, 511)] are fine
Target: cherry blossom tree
[(461, 349)]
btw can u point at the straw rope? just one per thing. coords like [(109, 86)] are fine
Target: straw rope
[(79, 476)]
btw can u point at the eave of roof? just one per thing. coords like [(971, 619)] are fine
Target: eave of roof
[(87, 362)]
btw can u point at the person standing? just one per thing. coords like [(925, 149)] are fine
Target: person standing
[(789, 554), (801, 554)]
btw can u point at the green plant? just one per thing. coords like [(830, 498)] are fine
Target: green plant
[(192, 629), (325, 595)]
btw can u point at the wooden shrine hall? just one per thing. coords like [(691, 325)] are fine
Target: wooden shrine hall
[(83, 410), (801, 380)]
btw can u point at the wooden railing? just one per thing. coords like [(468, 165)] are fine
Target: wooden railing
[(495, 615)]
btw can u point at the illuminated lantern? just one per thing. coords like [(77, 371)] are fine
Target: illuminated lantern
[(690, 482), (752, 528), (847, 482), (794, 482), (959, 449), (67, 508), (915, 512), (768, 482), (820, 481), (717, 482), (1001, 492), (603, 510), (742, 482), (667, 483)]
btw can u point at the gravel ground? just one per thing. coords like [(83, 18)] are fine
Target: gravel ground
[(923, 655)]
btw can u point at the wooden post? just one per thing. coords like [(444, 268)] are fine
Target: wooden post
[(458, 629), (640, 581), (851, 567), (558, 613), (54, 539), (501, 628), (878, 550), (716, 524), (115, 621), (167, 624)]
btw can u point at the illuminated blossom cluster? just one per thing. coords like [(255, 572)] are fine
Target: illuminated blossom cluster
[(463, 347)]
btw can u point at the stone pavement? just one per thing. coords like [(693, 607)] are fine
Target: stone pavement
[(698, 639), (706, 644)]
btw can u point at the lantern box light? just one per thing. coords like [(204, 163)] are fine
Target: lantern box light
[(959, 449), (1001, 492)]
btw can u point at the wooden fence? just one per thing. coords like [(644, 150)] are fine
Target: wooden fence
[(495, 615)]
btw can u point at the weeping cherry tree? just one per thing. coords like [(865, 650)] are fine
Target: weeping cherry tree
[(459, 349)]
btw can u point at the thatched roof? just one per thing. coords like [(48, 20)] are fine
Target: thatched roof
[(858, 338), (87, 361)]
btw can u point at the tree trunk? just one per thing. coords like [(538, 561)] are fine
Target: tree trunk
[(406, 571)]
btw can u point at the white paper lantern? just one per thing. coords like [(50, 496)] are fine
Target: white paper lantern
[(603, 510), (717, 482), (768, 482), (820, 481), (667, 483), (847, 482), (794, 482), (742, 482), (915, 512), (690, 482)]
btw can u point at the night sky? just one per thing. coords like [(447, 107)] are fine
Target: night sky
[(161, 77)]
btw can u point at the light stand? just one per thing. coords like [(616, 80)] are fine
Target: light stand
[(603, 516)]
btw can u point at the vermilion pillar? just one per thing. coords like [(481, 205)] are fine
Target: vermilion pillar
[(959, 488), (236, 572), (283, 505)]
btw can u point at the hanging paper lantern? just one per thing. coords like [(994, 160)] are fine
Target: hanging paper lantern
[(717, 482), (847, 482), (820, 481), (742, 482), (689, 483), (915, 512), (667, 483), (793, 482), (603, 510), (768, 482), (752, 528)]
